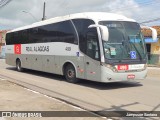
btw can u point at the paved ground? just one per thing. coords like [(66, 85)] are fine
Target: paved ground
[(154, 72), (143, 96), (16, 98)]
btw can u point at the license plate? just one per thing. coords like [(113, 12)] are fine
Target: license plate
[(131, 77)]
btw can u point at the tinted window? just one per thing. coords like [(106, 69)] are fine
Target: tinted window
[(57, 32), (24, 37), (16, 37), (9, 38), (82, 29), (93, 45), (34, 35), (66, 32), (88, 37)]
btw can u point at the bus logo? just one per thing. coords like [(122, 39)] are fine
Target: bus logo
[(17, 49)]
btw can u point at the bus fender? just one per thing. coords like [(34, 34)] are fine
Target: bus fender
[(69, 62)]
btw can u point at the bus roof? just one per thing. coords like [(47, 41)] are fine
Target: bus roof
[(95, 16)]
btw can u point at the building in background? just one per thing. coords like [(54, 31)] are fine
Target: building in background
[(2, 42), (153, 46)]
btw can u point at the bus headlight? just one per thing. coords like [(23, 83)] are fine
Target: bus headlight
[(113, 68)]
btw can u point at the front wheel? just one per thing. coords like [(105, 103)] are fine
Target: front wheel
[(18, 66), (70, 74)]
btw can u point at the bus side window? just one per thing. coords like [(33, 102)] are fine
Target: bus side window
[(92, 45), (17, 37), (9, 39), (82, 29)]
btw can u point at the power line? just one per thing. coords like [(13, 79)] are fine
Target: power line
[(131, 7), (4, 3), (140, 4), (150, 16), (149, 21)]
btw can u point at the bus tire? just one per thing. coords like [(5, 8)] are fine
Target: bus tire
[(70, 74), (18, 66)]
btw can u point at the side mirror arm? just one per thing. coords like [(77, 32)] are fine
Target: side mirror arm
[(104, 31), (154, 32)]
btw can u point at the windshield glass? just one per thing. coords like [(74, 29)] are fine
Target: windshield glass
[(125, 41)]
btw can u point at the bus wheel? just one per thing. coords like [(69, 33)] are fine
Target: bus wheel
[(18, 66), (70, 74)]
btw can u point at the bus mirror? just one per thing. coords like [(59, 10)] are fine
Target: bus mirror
[(104, 31), (154, 32)]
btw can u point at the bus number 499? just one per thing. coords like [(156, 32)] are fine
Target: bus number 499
[(68, 48)]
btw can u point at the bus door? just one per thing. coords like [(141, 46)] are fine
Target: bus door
[(92, 58)]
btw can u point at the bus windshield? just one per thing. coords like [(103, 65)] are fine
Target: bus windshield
[(125, 41)]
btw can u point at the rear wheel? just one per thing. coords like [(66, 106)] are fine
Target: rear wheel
[(70, 74), (18, 66)]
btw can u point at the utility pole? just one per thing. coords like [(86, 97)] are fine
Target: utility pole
[(44, 10)]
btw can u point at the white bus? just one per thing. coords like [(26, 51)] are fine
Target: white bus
[(97, 46)]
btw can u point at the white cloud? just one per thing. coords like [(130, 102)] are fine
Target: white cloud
[(11, 22), (11, 16)]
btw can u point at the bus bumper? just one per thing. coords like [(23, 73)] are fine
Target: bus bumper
[(109, 76)]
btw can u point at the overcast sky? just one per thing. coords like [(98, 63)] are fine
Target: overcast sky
[(11, 15)]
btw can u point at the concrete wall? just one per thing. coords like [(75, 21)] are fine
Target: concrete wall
[(2, 38), (155, 53), (155, 48)]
